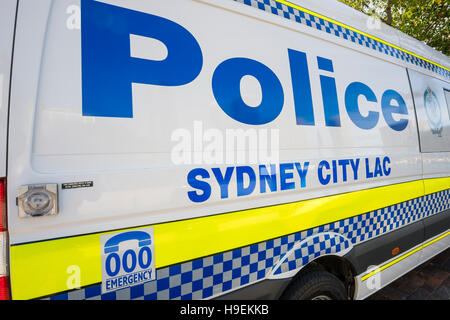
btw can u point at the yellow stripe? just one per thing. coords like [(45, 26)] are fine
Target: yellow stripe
[(289, 4), (403, 257), (436, 185), (40, 268)]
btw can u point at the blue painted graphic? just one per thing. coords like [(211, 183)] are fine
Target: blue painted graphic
[(301, 85), (329, 94), (112, 245), (127, 259), (388, 109), (226, 88), (282, 177), (353, 91), (108, 70)]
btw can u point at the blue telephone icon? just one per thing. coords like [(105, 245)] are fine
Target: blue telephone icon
[(112, 245)]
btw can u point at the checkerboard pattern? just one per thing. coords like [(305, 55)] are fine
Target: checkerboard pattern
[(318, 245), (217, 274), (299, 16), (372, 224)]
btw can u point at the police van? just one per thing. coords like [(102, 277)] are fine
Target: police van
[(216, 149)]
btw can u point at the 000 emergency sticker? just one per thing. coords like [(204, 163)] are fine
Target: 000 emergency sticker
[(128, 258)]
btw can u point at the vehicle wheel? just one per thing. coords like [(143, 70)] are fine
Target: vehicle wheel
[(316, 285)]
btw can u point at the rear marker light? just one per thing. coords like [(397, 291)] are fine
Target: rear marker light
[(4, 271), (4, 288), (4, 279)]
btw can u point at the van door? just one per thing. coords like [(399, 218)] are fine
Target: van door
[(432, 102), (99, 173)]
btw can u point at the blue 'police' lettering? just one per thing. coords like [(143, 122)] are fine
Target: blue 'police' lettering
[(301, 85), (329, 94), (108, 70), (353, 91), (226, 88), (389, 109)]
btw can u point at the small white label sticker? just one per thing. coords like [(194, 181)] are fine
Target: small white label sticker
[(128, 259)]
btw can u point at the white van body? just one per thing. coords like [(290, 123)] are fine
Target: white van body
[(131, 111)]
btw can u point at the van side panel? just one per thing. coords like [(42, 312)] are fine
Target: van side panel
[(113, 90), (433, 116)]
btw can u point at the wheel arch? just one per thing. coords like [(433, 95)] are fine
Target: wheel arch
[(338, 266), (324, 251)]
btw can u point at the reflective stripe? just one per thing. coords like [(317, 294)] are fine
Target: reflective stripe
[(436, 185), (40, 269), (406, 255)]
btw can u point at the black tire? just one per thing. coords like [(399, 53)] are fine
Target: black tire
[(316, 285)]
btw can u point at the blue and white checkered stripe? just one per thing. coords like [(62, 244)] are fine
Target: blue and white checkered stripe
[(217, 274), (299, 16), (311, 248), (204, 277), (372, 224)]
